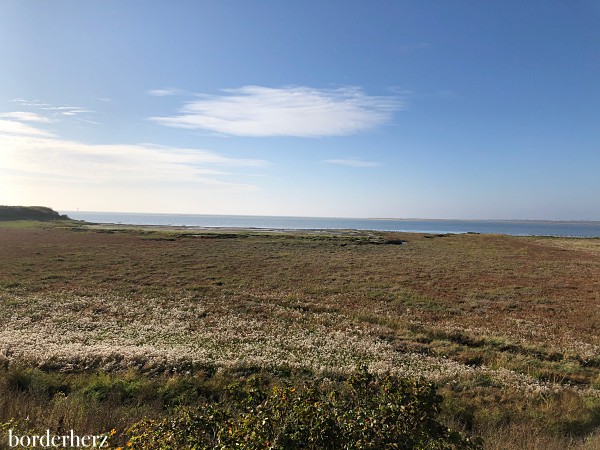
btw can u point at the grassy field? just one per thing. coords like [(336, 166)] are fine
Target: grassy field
[(507, 327)]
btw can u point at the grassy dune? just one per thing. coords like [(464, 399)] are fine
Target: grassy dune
[(507, 327)]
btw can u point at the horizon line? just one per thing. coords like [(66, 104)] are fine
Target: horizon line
[(338, 217)]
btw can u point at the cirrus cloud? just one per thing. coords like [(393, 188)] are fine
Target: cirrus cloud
[(25, 116), (352, 162), (165, 92), (293, 111), (59, 110), (33, 152), (15, 127)]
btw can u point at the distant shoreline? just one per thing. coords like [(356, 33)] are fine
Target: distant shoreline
[(580, 229), (399, 219), (591, 222)]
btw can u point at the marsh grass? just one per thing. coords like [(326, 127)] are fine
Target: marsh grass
[(506, 326)]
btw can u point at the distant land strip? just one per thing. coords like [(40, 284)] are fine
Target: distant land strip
[(29, 213)]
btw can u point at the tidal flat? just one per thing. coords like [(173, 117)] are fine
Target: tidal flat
[(506, 327)]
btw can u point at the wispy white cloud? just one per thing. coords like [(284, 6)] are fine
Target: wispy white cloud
[(28, 102), (92, 122), (25, 116), (16, 128), (164, 92), (55, 110), (352, 162), (68, 110), (293, 111), (33, 152)]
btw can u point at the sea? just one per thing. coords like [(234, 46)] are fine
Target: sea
[(435, 226)]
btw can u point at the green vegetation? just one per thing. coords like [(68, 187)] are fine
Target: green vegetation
[(250, 409), (29, 213), (362, 412), (147, 327)]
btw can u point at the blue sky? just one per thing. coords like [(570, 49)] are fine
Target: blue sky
[(431, 109)]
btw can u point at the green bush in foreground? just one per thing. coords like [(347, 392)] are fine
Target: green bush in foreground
[(363, 412)]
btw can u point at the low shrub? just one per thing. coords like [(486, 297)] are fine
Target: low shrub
[(363, 412)]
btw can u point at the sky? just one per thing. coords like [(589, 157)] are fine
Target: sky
[(341, 108)]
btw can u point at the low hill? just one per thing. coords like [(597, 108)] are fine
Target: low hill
[(29, 213)]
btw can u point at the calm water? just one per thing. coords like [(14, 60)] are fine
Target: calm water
[(517, 228)]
